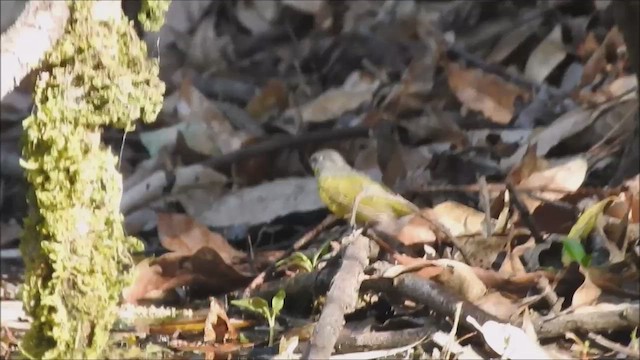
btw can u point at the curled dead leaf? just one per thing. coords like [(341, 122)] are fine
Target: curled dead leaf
[(486, 93), (460, 278)]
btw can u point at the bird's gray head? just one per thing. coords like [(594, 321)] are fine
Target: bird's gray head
[(327, 159)]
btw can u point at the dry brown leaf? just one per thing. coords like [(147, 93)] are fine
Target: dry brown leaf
[(563, 127), (587, 293), (598, 61), (622, 85), (498, 305), (206, 129), (460, 278), (619, 279), (415, 230), (482, 252), (460, 219), (273, 97), (152, 283), (217, 327), (332, 104), (530, 164), (357, 89), (587, 47), (254, 170), (544, 58), (516, 284), (416, 82), (427, 268), (200, 258), (564, 175), (484, 92), (183, 235), (512, 265)]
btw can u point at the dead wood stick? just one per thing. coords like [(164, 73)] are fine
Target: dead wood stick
[(618, 317), (439, 298), (341, 299), (24, 44), (612, 345), (525, 214), (498, 187)]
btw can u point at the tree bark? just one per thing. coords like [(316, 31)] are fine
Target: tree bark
[(24, 44)]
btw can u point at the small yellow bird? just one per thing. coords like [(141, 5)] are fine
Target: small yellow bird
[(344, 189)]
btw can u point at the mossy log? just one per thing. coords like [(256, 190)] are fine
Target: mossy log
[(76, 253)]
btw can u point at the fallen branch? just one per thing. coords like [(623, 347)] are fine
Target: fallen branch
[(431, 294), (593, 319), (341, 299)]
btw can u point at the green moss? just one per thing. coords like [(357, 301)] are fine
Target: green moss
[(74, 246), (152, 14)]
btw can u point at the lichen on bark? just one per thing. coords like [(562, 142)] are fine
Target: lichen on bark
[(152, 14), (76, 253)]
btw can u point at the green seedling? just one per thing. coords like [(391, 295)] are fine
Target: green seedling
[(302, 261), (260, 306), (634, 344), (572, 250)]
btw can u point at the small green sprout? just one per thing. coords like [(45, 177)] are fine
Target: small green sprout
[(302, 261), (572, 250), (260, 306)]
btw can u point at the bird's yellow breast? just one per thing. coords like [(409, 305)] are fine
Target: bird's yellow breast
[(340, 191)]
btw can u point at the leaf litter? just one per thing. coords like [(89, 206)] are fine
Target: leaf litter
[(510, 127)]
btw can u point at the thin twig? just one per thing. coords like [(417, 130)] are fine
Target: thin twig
[(485, 205), (613, 345), (524, 213), (498, 187)]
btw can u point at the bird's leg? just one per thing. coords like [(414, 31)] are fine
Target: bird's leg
[(354, 210)]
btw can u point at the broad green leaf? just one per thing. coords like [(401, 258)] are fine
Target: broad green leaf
[(320, 252), (277, 303), (298, 259), (572, 250), (587, 221), (254, 304)]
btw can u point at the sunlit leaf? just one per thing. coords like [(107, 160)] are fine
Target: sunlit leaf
[(296, 259), (587, 221), (572, 250), (277, 302), (255, 304)]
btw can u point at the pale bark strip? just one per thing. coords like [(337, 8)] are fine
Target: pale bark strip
[(24, 44), (341, 298)]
